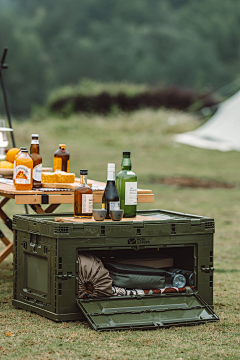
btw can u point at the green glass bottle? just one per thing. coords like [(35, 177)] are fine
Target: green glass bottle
[(126, 182)]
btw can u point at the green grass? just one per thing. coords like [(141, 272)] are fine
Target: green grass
[(93, 142)]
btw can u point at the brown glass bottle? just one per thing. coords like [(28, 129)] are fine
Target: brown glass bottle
[(37, 161), (61, 159), (83, 198)]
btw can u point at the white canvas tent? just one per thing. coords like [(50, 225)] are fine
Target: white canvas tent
[(221, 132)]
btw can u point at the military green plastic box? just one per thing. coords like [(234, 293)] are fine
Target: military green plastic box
[(46, 268)]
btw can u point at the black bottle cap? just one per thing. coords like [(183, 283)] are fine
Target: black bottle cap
[(83, 172), (126, 153)]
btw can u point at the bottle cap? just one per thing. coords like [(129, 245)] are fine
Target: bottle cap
[(83, 172), (111, 167), (23, 148), (126, 153), (35, 135), (60, 145)]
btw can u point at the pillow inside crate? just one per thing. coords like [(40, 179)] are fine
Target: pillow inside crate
[(93, 278)]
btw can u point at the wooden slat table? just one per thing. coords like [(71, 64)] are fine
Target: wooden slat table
[(36, 198)]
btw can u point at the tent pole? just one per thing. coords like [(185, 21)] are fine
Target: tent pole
[(5, 66)]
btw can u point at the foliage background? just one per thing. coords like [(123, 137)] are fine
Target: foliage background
[(169, 42)]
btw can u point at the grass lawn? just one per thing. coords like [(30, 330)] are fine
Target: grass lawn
[(93, 141)]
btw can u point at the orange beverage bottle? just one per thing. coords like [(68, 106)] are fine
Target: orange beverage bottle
[(61, 159), (23, 172), (18, 154)]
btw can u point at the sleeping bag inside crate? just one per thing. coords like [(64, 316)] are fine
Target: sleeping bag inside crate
[(46, 267)]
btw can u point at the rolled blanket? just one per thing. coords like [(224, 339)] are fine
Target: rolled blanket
[(117, 291)]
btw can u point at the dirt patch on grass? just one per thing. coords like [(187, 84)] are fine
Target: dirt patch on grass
[(186, 181)]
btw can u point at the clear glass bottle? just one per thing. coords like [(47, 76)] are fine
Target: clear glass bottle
[(174, 280), (37, 161), (189, 275), (61, 159), (110, 199), (126, 182), (23, 172), (83, 198)]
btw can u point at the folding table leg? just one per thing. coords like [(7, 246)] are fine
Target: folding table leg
[(6, 252), (3, 215), (4, 239), (37, 208), (51, 208)]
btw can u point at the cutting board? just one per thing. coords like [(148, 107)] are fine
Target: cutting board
[(78, 220)]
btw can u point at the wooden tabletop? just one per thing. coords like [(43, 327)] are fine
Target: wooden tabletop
[(59, 196)]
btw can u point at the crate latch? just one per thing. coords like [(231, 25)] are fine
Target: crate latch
[(158, 324), (207, 269), (65, 276)]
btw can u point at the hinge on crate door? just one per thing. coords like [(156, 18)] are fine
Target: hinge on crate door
[(158, 324), (207, 269)]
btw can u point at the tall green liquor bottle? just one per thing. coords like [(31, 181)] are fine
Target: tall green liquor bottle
[(126, 182)]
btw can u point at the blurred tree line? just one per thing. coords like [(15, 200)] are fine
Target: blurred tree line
[(169, 42)]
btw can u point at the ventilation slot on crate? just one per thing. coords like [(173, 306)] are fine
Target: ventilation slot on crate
[(173, 229), (61, 230), (60, 263), (14, 220), (138, 231), (102, 230), (15, 239), (211, 281), (59, 289), (211, 257), (209, 225)]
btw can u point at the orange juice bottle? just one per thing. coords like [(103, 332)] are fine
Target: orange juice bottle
[(23, 171), (17, 155)]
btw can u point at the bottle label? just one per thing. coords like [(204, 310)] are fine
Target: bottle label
[(130, 193), (57, 163), (34, 142), (68, 165), (37, 172), (22, 175), (114, 205), (87, 203)]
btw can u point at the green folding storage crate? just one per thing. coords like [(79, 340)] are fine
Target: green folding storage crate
[(46, 268)]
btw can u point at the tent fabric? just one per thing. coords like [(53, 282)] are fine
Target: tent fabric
[(221, 132)]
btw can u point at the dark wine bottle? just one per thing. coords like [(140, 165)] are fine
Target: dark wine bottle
[(110, 199)]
